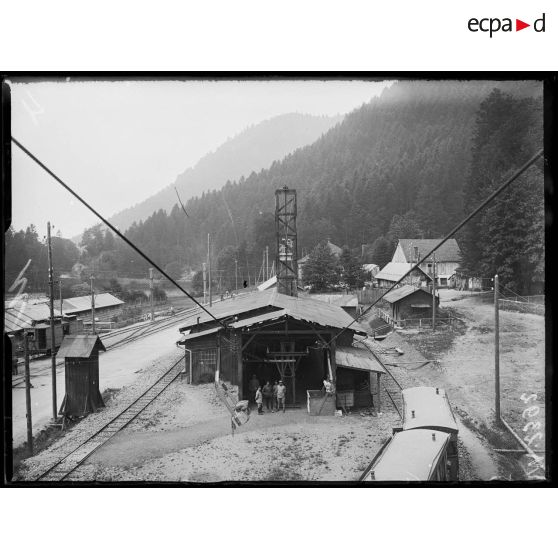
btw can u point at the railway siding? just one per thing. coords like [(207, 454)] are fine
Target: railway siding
[(80, 433)]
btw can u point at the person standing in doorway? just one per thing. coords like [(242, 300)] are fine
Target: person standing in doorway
[(275, 407), (281, 392), (267, 392), (253, 386), (259, 400)]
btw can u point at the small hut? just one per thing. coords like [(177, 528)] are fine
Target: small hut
[(81, 355)]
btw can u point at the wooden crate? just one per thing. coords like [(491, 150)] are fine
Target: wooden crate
[(316, 404)]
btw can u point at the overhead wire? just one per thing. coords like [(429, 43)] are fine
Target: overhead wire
[(114, 229), (460, 225)]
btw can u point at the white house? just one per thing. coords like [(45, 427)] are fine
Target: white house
[(448, 256)]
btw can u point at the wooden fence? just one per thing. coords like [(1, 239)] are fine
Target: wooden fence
[(515, 305), (415, 323), (369, 296)]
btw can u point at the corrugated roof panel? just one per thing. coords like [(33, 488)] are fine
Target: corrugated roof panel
[(83, 303), (80, 345), (403, 292), (203, 333), (270, 301), (410, 456), (432, 410), (267, 317), (270, 283), (24, 315), (358, 359)]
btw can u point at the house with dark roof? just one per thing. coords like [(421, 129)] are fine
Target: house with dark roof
[(448, 256)]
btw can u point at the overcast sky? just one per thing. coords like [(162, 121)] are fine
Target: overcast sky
[(117, 143)]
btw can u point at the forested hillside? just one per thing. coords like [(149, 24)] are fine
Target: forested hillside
[(508, 237), (400, 165), (412, 162), (252, 150)]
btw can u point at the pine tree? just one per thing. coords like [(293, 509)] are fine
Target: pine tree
[(351, 271), (507, 237), (320, 270), (382, 252)]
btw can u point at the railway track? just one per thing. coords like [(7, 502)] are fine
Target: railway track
[(65, 466), (135, 333)]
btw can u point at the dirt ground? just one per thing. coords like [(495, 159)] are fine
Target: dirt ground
[(466, 371), (185, 436)]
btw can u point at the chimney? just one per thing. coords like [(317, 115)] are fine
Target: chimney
[(433, 437), (198, 320)]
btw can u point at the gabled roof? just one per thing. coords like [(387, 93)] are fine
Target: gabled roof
[(83, 303), (448, 252), (393, 271), (270, 302), (21, 316), (402, 292), (80, 345)]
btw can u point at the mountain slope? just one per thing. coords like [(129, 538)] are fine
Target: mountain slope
[(403, 159), (252, 150)]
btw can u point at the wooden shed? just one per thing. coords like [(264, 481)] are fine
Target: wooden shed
[(81, 356), (410, 302)]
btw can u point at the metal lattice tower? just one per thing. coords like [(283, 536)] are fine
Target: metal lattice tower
[(285, 227)]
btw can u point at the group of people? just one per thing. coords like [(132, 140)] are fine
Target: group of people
[(273, 396)]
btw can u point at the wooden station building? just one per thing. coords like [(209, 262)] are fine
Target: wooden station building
[(275, 336)]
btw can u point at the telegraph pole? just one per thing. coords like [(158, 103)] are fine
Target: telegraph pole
[(209, 267), (92, 306), (433, 292), (496, 349), (151, 293), (235, 274), (28, 394), (267, 263), (60, 294), (204, 265), (52, 333)]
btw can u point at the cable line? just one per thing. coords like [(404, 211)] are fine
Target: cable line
[(498, 191), (114, 229)]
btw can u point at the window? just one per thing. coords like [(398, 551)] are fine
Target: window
[(204, 364)]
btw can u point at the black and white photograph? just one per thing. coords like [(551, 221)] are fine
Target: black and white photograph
[(275, 280)]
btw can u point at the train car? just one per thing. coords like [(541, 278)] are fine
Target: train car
[(428, 408), (411, 455), (40, 343)]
